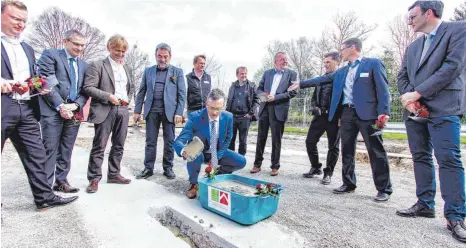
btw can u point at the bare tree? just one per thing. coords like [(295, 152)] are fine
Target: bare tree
[(401, 35), (267, 62), (300, 53), (136, 60), (321, 47), (212, 66), (348, 25), (460, 13), (48, 32)]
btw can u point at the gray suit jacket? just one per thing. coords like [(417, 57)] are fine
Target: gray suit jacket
[(99, 84), (54, 62), (282, 96), (174, 94), (440, 77)]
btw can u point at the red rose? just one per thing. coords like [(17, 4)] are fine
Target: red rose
[(423, 113), (30, 84), (123, 102), (417, 105), (259, 187), (208, 169)]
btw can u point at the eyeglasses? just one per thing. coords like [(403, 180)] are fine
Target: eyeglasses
[(411, 17), (76, 44), (16, 19), (214, 109), (341, 50)]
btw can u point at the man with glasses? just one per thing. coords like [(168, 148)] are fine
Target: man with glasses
[(433, 74), (273, 113), (214, 127), (360, 96), (20, 113), (59, 130)]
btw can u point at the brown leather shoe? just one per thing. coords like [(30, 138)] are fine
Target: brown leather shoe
[(192, 192), (255, 170), (93, 186), (274, 172), (65, 188), (118, 180)]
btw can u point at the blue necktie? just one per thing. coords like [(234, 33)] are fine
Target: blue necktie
[(354, 64), (213, 144), (74, 86), (427, 44)]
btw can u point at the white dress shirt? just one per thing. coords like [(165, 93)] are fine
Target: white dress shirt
[(19, 63), (349, 83), (121, 80), (277, 77)]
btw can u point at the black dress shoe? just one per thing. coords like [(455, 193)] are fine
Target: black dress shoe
[(168, 173), (56, 202), (381, 197), (458, 229), (313, 172), (146, 173), (326, 180), (417, 210), (65, 188), (344, 189)]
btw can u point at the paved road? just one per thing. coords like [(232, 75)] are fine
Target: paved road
[(117, 216)]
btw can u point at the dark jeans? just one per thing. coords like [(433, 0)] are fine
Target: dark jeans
[(116, 124), (351, 125), (58, 136), (153, 122), (319, 125), (241, 126), (266, 120), (443, 136), (20, 126)]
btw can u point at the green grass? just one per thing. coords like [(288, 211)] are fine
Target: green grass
[(386, 135)]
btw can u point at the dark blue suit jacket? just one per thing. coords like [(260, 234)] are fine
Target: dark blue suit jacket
[(371, 96), (198, 125), (54, 62), (174, 94), (7, 73)]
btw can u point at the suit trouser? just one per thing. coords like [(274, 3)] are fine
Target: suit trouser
[(319, 125), (230, 162), (351, 125), (20, 126), (241, 126), (153, 122), (443, 135), (58, 136), (116, 123), (266, 120)]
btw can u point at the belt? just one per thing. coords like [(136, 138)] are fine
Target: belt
[(349, 105), (239, 115), (20, 101)]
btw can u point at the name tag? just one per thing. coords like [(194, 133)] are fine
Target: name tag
[(206, 82), (364, 74)]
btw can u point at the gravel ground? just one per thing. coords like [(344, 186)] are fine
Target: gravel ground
[(306, 206)]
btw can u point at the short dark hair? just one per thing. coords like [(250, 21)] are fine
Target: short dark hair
[(241, 67), (164, 46), (435, 6), (357, 43), (216, 94), (197, 57), (72, 32), (335, 55), (17, 4)]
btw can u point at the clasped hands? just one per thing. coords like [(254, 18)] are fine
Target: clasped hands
[(66, 110), (408, 100)]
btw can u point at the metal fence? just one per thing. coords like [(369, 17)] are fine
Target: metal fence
[(300, 115)]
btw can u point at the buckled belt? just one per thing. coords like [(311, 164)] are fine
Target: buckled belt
[(20, 101), (349, 105)]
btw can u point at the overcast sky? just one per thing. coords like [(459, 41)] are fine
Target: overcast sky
[(236, 32)]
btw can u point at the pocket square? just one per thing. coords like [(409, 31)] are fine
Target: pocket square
[(364, 74)]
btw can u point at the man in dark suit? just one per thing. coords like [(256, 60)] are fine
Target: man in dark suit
[(242, 103), (164, 92), (360, 96), (274, 112), (20, 113), (433, 73), (320, 107), (199, 84), (59, 130), (214, 128), (107, 82)]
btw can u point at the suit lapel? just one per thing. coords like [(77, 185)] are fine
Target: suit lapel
[(108, 68), (361, 68), (283, 79), (31, 59), (221, 128), (268, 85), (80, 72), (417, 47), (6, 60), (128, 79), (64, 59), (205, 123), (438, 36)]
